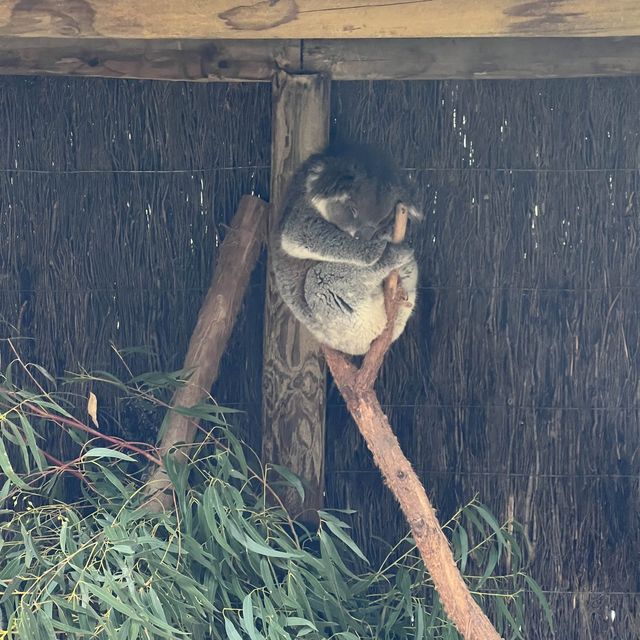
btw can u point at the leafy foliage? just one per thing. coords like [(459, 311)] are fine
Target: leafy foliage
[(226, 563)]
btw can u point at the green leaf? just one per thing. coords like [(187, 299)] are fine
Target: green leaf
[(263, 550), (63, 535), (114, 480), (491, 565), (211, 507), (104, 376), (125, 549), (8, 375), (337, 530), (419, 616), (232, 632), (44, 373), (291, 478), (513, 625), (7, 468), (112, 601), (491, 521), (463, 539), (30, 437), (104, 452), (542, 599), (293, 621), (247, 619), (4, 492), (15, 436)]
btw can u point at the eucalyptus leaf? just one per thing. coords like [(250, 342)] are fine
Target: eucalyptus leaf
[(103, 452), (225, 564)]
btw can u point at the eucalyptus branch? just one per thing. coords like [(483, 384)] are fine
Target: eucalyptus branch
[(356, 387)]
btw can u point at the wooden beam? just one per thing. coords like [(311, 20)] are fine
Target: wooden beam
[(294, 378), (472, 58), (238, 19), (195, 60), (258, 60)]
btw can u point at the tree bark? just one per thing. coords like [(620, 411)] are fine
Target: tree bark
[(238, 255), (294, 372), (356, 387)]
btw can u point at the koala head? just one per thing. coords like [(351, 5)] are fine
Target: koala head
[(356, 188)]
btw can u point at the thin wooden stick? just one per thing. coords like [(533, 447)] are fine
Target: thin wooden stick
[(393, 298), (399, 232), (356, 387)]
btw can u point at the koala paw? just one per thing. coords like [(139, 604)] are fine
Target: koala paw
[(374, 251), (386, 234), (398, 255)]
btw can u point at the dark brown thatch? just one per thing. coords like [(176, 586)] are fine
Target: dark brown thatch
[(114, 197), (517, 379)]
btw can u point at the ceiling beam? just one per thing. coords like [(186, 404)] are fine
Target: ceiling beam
[(194, 60), (257, 60), (266, 19), (472, 58)]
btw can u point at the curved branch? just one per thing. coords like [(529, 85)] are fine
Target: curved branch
[(356, 387)]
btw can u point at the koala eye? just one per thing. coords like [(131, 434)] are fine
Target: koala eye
[(353, 211)]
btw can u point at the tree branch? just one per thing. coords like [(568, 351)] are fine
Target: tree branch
[(356, 387), (238, 255)]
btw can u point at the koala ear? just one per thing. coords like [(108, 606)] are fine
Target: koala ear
[(408, 199), (314, 169)]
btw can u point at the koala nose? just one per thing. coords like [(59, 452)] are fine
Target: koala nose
[(365, 233)]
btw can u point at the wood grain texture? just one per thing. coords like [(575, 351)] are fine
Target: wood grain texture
[(237, 258), (258, 60), (294, 377), (238, 19), (194, 60), (472, 58), (406, 487)]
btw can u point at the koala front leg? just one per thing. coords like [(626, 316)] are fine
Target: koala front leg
[(309, 237), (395, 256)]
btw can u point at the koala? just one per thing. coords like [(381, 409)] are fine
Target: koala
[(332, 249)]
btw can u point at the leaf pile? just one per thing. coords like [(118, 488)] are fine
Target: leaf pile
[(224, 564)]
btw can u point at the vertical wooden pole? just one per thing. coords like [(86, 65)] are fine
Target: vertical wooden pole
[(294, 372)]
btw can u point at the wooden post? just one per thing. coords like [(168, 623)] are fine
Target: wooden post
[(294, 372)]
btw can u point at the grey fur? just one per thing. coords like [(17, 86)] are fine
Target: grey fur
[(332, 253)]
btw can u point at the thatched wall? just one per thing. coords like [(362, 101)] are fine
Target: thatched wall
[(516, 380), (114, 197)]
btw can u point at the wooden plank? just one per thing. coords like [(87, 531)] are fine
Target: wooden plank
[(195, 60), (294, 377), (258, 60), (238, 19), (472, 58)]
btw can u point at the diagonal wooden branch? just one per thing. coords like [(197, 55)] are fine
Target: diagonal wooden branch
[(238, 255), (356, 387)]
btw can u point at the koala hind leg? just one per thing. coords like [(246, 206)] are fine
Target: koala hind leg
[(347, 309)]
